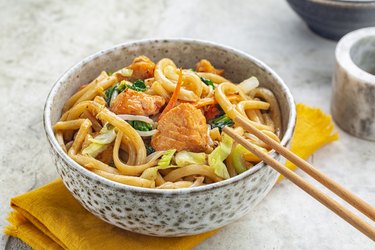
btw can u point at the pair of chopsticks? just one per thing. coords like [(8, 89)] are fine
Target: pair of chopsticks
[(335, 187)]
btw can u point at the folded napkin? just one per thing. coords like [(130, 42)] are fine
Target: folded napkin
[(50, 218), (313, 130)]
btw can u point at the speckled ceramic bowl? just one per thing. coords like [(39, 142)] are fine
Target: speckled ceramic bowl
[(167, 212), (334, 18)]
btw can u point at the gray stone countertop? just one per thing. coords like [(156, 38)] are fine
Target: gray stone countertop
[(39, 40)]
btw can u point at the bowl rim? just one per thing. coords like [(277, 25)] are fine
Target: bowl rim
[(56, 147), (343, 54), (345, 3)]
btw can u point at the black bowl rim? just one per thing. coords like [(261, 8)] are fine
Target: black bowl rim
[(349, 3)]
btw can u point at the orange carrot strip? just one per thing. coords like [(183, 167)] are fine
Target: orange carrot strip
[(173, 99)]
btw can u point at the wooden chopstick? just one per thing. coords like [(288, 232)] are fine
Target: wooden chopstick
[(330, 203), (332, 185)]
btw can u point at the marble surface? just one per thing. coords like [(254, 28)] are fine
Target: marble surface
[(39, 40)]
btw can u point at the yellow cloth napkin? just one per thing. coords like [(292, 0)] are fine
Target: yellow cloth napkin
[(50, 218), (313, 130)]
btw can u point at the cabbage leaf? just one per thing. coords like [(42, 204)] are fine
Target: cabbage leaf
[(220, 153), (236, 157), (164, 163), (165, 160), (185, 158), (98, 144)]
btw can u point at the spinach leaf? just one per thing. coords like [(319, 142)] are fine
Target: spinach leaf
[(221, 121), (140, 125), (208, 82), (108, 94), (149, 149), (138, 85)]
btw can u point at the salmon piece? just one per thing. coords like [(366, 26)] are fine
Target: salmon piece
[(132, 102), (205, 66), (182, 128), (142, 67)]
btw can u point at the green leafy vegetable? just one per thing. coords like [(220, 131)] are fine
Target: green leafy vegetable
[(150, 173), (165, 160), (220, 153), (208, 82), (98, 144), (221, 121), (105, 136), (94, 149), (185, 158), (122, 86), (236, 157), (108, 94), (138, 85), (109, 73), (140, 125), (149, 149), (164, 163)]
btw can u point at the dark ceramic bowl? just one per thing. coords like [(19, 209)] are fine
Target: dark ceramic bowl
[(333, 19)]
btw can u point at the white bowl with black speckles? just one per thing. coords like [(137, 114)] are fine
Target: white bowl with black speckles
[(167, 212)]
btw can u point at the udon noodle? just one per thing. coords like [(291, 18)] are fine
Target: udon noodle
[(158, 126)]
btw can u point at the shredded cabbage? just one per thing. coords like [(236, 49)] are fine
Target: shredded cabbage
[(98, 144), (236, 157), (216, 158), (123, 85), (164, 163), (94, 149), (105, 136), (165, 160), (185, 158), (150, 173)]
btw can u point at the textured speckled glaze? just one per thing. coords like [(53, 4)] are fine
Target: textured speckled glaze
[(167, 212), (353, 90)]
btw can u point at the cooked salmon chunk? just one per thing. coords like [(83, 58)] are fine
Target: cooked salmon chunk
[(137, 103), (205, 66), (182, 128), (142, 67)]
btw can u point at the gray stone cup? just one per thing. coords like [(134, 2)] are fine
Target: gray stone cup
[(353, 97)]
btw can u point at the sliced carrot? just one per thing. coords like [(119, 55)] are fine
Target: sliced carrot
[(173, 100)]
